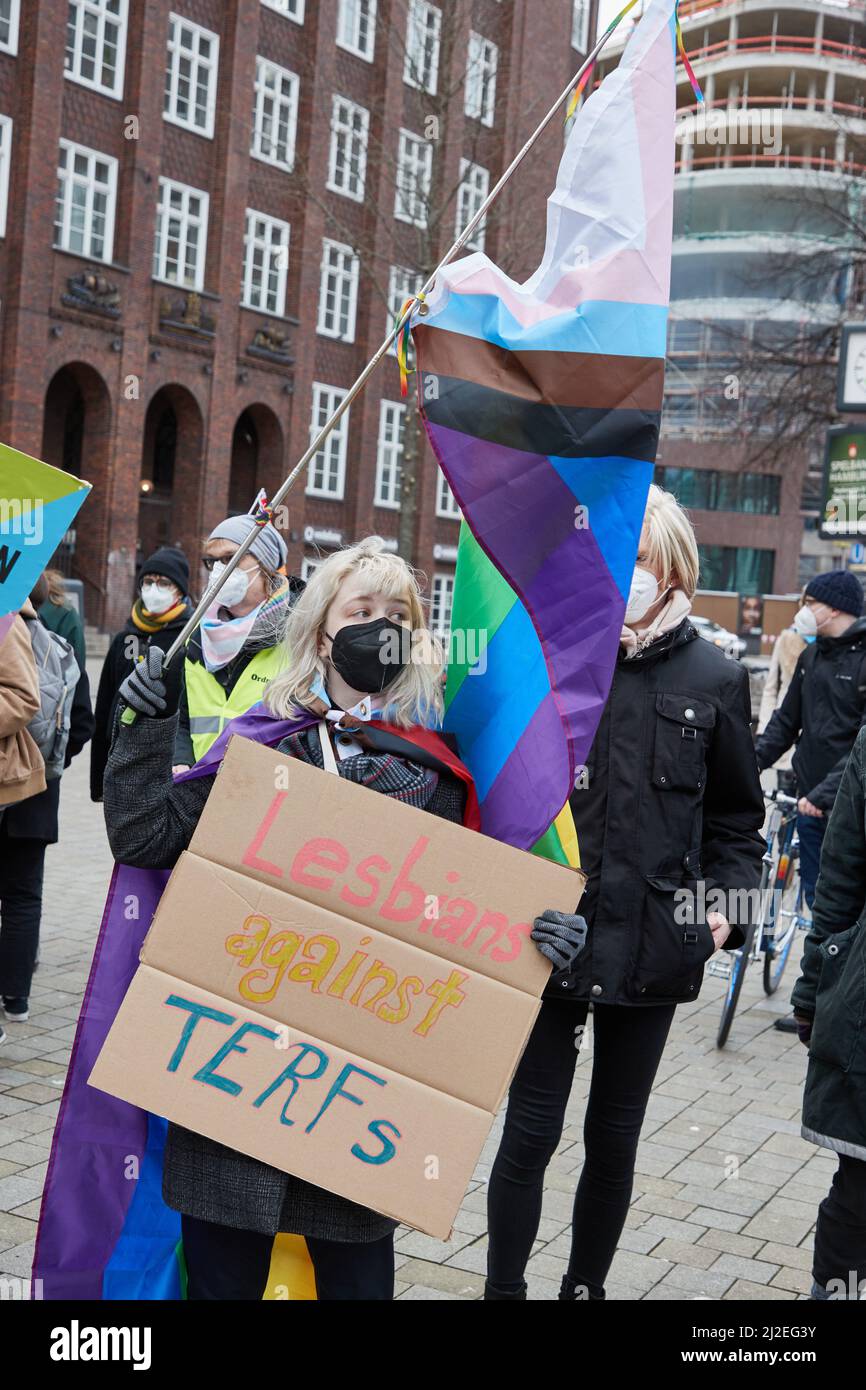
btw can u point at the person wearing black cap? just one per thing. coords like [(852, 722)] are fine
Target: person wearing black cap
[(822, 713), (159, 612)]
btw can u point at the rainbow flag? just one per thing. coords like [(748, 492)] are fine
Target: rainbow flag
[(542, 403), (38, 504)]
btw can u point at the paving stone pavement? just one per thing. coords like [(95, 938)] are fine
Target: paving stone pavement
[(725, 1191)]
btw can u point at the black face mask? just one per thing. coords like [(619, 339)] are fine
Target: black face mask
[(370, 656)]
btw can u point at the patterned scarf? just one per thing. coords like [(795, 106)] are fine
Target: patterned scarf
[(223, 638), (155, 622), (384, 772)]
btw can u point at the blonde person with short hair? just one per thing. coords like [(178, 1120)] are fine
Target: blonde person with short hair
[(667, 809), (360, 691)]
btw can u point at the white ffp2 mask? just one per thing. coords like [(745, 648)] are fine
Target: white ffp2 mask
[(642, 595), (155, 599), (805, 622), (234, 590)]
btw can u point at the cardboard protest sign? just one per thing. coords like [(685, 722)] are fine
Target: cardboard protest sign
[(337, 984), (38, 504)]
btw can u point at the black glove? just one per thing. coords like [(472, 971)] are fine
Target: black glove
[(144, 690), (561, 936), (804, 1024)]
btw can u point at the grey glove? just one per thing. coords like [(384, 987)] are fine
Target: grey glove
[(561, 936), (144, 690)]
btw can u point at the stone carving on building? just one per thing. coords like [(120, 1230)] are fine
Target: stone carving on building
[(271, 340), (92, 292), (186, 314)]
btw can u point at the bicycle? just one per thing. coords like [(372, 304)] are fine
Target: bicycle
[(781, 912)]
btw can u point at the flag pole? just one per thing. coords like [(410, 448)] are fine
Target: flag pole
[(358, 386)]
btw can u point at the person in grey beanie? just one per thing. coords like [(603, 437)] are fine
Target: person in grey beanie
[(237, 649), (822, 713)]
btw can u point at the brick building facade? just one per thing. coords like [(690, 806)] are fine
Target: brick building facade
[(199, 229)]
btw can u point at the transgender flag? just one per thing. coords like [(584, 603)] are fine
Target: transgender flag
[(542, 402)]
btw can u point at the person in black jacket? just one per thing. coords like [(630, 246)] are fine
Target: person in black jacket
[(830, 1003), (823, 710), (26, 830), (668, 813), (821, 714), (158, 614)]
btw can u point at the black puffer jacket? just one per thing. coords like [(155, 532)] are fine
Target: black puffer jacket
[(832, 984), (822, 714), (670, 796)]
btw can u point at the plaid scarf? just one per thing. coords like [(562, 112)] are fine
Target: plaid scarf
[(384, 772)]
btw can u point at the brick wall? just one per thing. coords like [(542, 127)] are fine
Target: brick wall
[(127, 367)]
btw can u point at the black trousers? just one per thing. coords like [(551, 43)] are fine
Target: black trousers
[(21, 869), (627, 1047), (223, 1263), (840, 1233)]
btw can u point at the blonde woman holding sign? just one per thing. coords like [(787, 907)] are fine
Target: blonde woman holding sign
[(362, 686)]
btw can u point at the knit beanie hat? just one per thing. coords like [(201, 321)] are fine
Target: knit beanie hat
[(172, 564), (268, 547), (838, 589)]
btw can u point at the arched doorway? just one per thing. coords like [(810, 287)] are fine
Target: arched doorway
[(76, 431), (171, 464), (257, 457)]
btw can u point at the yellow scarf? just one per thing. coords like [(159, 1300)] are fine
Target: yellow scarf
[(154, 622)]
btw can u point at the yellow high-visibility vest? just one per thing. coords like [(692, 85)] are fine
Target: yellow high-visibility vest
[(211, 707)]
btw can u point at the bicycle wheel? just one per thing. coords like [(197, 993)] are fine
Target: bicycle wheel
[(735, 985), (777, 952)]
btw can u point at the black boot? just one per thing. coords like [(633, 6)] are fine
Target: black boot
[(568, 1292), (491, 1293)]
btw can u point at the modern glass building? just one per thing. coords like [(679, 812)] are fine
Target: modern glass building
[(770, 188)]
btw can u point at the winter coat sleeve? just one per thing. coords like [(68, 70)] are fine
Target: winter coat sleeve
[(840, 893), (733, 847), (184, 752), (19, 682), (823, 795), (103, 715), (770, 693), (149, 819), (81, 728), (784, 728)]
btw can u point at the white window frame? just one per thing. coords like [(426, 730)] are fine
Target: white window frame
[(6, 126), (415, 165), (339, 274), (343, 113), (11, 45), (325, 402), (441, 597), (482, 64), (97, 11), (351, 18), (580, 25), (166, 188), (289, 9), (173, 53), (402, 282), (423, 25), (67, 179), (260, 227), (270, 81), (474, 188), (446, 502), (389, 454)]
